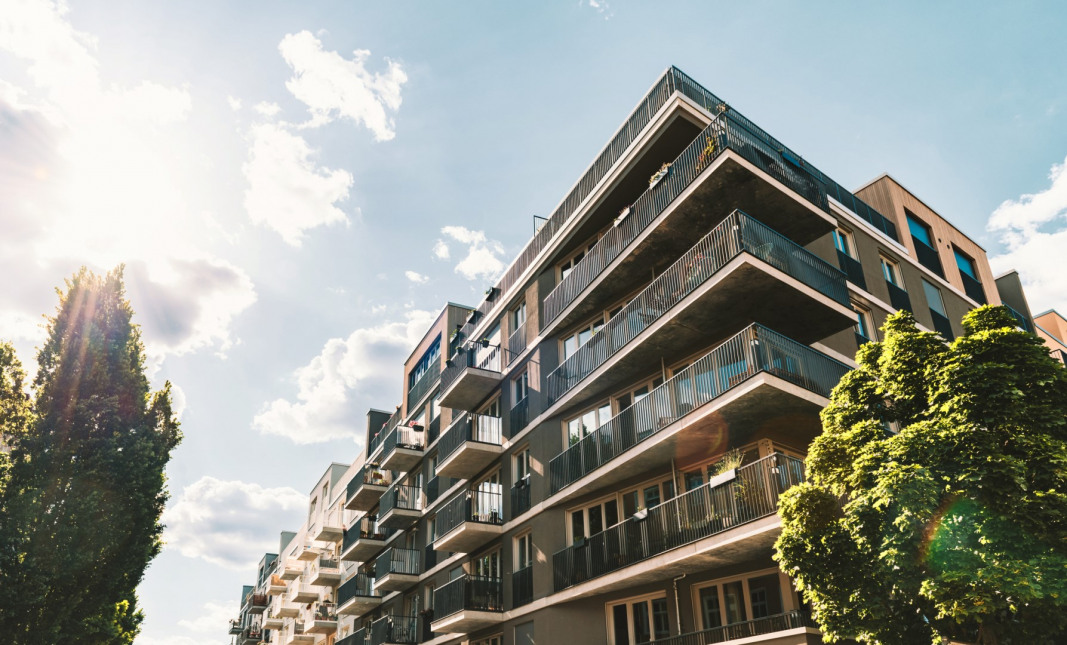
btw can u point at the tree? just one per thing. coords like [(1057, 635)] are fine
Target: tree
[(79, 515), (956, 525)]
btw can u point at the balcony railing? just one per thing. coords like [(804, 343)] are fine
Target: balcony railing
[(407, 498), (366, 529), (522, 587), (517, 342), (412, 438), (478, 428), (1023, 321), (520, 497), (425, 383), (928, 256), (758, 627), (755, 349), (942, 325), (397, 629), (700, 513), (434, 430), (473, 593), (387, 427), (358, 637), (397, 561), (470, 357), (481, 507), (973, 288), (358, 585), (898, 297), (519, 417), (736, 234), (852, 268)]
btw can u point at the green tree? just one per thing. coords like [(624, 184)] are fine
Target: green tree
[(956, 525), (79, 515)]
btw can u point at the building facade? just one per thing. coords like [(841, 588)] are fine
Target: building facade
[(594, 453)]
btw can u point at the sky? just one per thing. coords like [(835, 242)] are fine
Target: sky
[(296, 189)]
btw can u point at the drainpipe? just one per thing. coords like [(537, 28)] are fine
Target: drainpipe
[(677, 603)]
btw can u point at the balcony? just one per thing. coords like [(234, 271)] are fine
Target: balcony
[(364, 539), (522, 587), (468, 521), (301, 593), (898, 297), (273, 621), (294, 635), (358, 637), (750, 493), (292, 571), (757, 379), (329, 528), (256, 603), (326, 572), (397, 569), (467, 604), (356, 596), (308, 553), (402, 448), (724, 281), (519, 417), (321, 620), (422, 387), (852, 269), (517, 342), (236, 626), (366, 487), (470, 444), (973, 288), (470, 376), (395, 630), (1023, 321), (728, 164), (797, 622), (401, 506), (520, 497), (288, 609), (251, 635), (276, 586)]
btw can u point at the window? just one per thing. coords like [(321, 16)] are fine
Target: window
[(492, 640), (518, 316), (568, 265), (729, 601), (435, 406), (520, 387), (969, 276), (486, 499), (891, 272), (638, 620), (646, 496), (933, 298), (579, 337), (919, 230), (965, 264), (863, 322), (522, 464), (523, 551), (633, 395), (844, 242), (432, 353), (586, 422), (487, 565), (594, 519)]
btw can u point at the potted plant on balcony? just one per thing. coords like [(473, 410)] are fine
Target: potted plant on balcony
[(660, 174)]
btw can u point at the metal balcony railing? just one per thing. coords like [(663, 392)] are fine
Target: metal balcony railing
[(520, 497), (755, 349), (360, 584), (1024, 322), (517, 342), (358, 637), (522, 587), (425, 383), (973, 288), (928, 256), (700, 513), (468, 356), (410, 437), (737, 234), (519, 416), (468, 427), (852, 268), (434, 430), (408, 498), (387, 427), (400, 561), (468, 593), (746, 629), (366, 529), (397, 629), (482, 507), (369, 475)]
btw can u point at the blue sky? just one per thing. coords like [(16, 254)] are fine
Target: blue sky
[(297, 188)]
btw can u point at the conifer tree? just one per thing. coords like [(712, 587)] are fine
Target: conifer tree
[(955, 526), (79, 514)]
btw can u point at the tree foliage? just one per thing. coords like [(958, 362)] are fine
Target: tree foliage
[(956, 525), (80, 507)]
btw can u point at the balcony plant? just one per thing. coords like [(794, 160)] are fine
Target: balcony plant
[(659, 175)]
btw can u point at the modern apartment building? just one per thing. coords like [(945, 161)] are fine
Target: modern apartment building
[(1051, 327), (594, 453)]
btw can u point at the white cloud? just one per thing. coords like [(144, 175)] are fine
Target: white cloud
[(602, 8), (235, 103), (338, 386), (230, 523), (1033, 228), (333, 87), (286, 190), (214, 614), (440, 250), (267, 109), (417, 278), (481, 260)]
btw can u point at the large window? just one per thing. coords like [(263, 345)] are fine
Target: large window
[(586, 422), (522, 464), (593, 519), (580, 336), (844, 242), (486, 565), (891, 272), (523, 551), (572, 261), (925, 248), (518, 316), (638, 620), (969, 276), (520, 387), (432, 353), (919, 230), (728, 601)]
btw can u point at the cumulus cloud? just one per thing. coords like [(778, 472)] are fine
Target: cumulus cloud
[(440, 250), (417, 278), (230, 523), (234, 102), (82, 181), (481, 260), (213, 615), (1033, 229), (287, 191), (334, 87), (337, 387)]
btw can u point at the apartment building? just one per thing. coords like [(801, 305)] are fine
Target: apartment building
[(1051, 327), (594, 453)]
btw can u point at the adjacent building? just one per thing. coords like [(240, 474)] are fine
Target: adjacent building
[(594, 453)]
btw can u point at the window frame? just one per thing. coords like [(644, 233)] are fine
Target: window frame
[(785, 587), (865, 319), (522, 544), (609, 611), (844, 237), (891, 272)]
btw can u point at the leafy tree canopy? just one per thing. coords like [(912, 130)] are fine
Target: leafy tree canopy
[(955, 526), (81, 496)]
